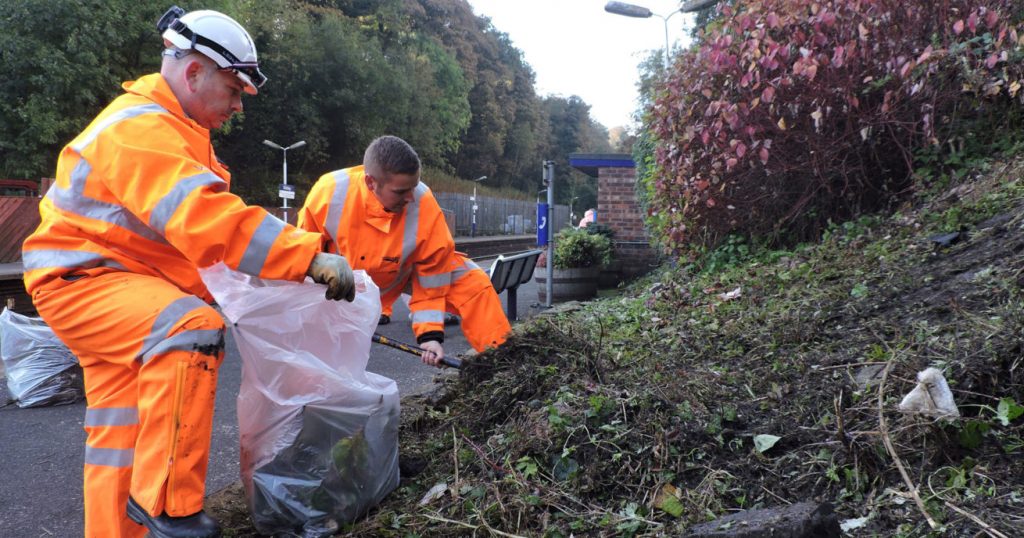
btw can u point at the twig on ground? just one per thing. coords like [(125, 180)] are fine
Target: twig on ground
[(884, 428), (837, 403), (991, 531), (847, 365), (480, 452), (455, 461), (773, 494), (471, 526)]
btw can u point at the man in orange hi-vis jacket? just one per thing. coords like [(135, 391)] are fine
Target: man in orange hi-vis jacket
[(384, 220), (139, 203)]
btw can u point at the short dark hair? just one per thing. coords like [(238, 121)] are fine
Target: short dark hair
[(390, 155)]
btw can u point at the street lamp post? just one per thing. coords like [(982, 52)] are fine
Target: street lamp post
[(640, 12), (285, 193), (472, 230)]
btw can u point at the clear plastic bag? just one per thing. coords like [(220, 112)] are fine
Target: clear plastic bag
[(40, 369), (319, 434)]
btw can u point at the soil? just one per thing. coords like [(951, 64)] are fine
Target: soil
[(670, 405)]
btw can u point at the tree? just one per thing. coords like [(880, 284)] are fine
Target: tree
[(343, 81), (341, 72), (63, 61), (573, 131)]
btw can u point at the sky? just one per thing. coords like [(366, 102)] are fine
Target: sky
[(575, 47)]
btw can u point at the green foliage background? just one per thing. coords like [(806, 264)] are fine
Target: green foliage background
[(341, 72)]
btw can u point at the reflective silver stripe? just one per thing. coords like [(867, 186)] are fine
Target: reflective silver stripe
[(167, 319), (427, 316), (124, 114), (465, 269), (65, 259), (168, 205), (188, 341), (435, 281), (336, 207), (111, 457), (72, 200), (111, 416), (259, 245), (412, 224)]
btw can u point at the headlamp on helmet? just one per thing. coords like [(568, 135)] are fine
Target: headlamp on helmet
[(217, 37)]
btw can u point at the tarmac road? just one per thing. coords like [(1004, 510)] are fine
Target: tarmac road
[(41, 449)]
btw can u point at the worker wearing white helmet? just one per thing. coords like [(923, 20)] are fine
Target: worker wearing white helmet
[(139, 203), (217, 37)]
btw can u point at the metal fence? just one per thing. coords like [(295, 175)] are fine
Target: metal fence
[(496, 216)]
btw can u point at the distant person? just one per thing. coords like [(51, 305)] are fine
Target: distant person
[(589, 216), (139, 203), (385, 221)]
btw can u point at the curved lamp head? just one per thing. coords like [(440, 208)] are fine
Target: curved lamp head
[(696, 5), (629, 10)]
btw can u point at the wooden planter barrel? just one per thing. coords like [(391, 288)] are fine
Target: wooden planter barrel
[(577, 284)]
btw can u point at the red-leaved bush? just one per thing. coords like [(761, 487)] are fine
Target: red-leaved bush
[(795, 112)]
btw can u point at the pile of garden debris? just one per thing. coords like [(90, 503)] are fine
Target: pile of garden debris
[(771, 381)]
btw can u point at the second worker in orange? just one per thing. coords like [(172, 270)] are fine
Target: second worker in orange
[(383, 219)]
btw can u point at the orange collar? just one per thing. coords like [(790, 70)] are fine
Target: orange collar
[(156, 89), (376, 215)]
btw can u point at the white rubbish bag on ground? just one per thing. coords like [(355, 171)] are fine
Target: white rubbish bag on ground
[(40, 369), (319, 434), (931, 396)]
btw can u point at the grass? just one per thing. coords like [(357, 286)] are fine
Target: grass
[(440, 181), (757, 381)]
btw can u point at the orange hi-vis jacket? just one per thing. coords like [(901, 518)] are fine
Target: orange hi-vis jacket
[(140, 201), (140, 190), (394, 248)]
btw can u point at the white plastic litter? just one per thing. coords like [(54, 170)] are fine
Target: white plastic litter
[(930, 397), (319, 434), (405, 297), (434, 493), (41, 370)]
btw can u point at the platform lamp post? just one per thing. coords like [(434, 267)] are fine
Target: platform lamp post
[(286, 192), (549, 182), (640, 12), (472, 230)]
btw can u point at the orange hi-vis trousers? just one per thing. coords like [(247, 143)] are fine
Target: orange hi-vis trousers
[(150, 354)]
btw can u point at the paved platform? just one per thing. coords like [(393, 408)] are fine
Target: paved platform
[(45, 446)]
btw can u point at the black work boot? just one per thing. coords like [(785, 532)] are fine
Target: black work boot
[(384, 319), (198, 525)]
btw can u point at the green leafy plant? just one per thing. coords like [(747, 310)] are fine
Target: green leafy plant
[(578, 248), (600, 228), (730, 253), (527, 466)]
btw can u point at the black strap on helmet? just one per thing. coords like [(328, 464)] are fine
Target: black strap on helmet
[(172, 19)]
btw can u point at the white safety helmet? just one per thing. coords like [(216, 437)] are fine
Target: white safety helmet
[(219, 38)]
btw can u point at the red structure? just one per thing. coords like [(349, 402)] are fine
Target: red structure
[(19, 216), (617, 208), (19, 187)]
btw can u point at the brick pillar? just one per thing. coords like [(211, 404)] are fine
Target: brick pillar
[(617, 208)]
